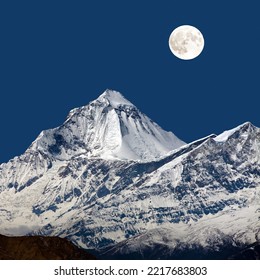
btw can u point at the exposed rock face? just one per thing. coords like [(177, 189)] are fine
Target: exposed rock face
[(40, 248)]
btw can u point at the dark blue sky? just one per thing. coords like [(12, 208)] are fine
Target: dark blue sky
[(57, 55)]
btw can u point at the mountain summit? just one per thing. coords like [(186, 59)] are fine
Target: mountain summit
[(110, 127)]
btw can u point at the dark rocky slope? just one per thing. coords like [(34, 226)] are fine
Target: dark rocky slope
[(251, 252), (40, 248)]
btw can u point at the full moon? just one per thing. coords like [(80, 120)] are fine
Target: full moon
[(186, 42)]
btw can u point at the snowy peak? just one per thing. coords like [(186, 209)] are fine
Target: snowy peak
[(113, 98), (110, 127), (244, 129), (109, 99)]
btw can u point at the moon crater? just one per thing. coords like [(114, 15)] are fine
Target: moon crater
[(186, 42)]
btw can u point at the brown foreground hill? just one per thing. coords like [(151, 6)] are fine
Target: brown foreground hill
[(40, 248)]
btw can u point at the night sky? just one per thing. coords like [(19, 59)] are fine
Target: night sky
[(58, 55)]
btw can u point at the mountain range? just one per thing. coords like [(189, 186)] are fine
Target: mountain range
[(113, 181)]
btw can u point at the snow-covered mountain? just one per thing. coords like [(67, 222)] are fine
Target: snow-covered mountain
[(110, 127), (112, 180)]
